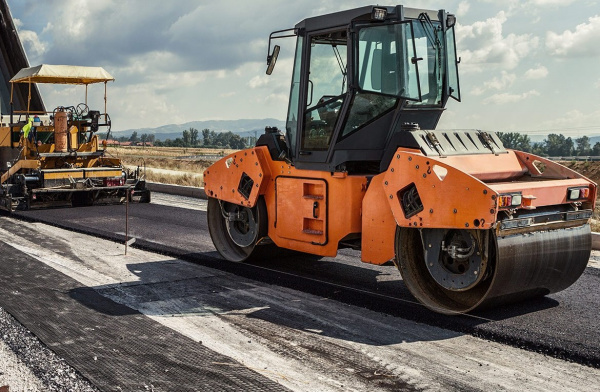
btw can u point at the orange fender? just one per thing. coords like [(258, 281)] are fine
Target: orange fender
[(378, 224), (240, 177), (449, 197)]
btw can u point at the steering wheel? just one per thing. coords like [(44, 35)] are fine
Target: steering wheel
[(81, 110)]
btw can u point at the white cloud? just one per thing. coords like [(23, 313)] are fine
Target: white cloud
[(463, 8), (512, 5), (537, 73), (483, 43), (258, 81), (34, 47), (583, 42), (498, 83), (560, 3), (509, 98), (573, 119), (175, 62)]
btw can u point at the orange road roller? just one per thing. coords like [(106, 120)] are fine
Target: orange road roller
[(468, 222)]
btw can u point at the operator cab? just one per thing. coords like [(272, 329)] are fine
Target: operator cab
[(358, 76)]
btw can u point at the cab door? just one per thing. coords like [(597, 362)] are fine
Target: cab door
[(326, 87), (301, 209)]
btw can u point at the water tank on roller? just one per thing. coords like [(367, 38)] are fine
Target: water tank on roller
[(60, 131)]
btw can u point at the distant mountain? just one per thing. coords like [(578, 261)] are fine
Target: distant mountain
[(244, 127)]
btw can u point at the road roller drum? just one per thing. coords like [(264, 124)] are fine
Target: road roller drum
[(516, 267)]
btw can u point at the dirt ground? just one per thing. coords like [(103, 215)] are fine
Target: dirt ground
[(592, 171), (589, 169)]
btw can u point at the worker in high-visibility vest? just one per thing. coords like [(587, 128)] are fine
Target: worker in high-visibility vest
[(27, 127)]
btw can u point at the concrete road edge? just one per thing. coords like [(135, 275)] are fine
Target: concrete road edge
[(180, 190)]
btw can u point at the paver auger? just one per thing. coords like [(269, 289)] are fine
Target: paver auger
[(467, 222)]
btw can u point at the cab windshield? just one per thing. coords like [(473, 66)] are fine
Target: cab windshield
[(403, 60)]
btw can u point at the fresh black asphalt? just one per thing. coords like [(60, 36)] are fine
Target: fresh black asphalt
[(564, 325)]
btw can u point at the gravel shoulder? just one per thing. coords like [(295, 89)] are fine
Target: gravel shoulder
[(14, 373), (27, 365)]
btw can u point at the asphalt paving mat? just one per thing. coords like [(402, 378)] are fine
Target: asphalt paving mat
[(562, 325), (114, 346)]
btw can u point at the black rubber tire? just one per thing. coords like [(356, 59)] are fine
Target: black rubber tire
[(222, 240)]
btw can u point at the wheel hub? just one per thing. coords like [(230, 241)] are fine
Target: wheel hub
[(453, 258), (241, 224)]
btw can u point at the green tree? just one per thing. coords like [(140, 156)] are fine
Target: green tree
[(134, 137), (206, 137), (569, 148), (558, 145), (583, 146), (144, 138), (596, 149), (187, 138), (539, 148), (515, 141), (194, 136)]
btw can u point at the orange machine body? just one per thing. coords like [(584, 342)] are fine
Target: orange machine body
[(316, 211)]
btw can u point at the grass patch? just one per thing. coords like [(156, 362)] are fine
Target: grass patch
[(166, 152), (187, 160), (187, 165), (185, 179)]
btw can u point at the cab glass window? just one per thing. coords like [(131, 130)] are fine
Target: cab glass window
[(429, 38), (326, 89), (291, 125), (386, 61)]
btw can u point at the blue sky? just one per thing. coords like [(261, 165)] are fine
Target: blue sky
[(530, 66)]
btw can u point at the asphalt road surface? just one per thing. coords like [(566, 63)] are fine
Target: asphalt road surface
[(292, 292)]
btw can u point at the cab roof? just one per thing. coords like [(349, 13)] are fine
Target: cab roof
[(343, 18)]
